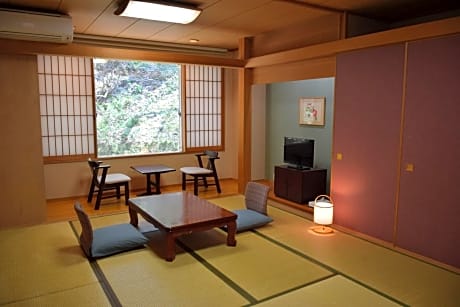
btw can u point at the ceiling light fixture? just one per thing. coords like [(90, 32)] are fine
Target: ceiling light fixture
[(159, 11)]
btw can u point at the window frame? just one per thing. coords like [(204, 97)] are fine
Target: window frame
[(183, 115)]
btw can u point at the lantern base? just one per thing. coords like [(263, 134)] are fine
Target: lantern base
[(323, 229)]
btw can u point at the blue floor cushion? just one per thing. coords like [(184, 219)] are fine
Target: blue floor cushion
[(249, 219), (115, 239)]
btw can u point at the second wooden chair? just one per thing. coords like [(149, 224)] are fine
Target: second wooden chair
[(201, 173), (102, 181)]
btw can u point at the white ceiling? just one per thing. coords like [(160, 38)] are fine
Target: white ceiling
[(223, 22)]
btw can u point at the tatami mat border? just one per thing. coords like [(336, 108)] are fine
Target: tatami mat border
[(115, 302), (218, 273), (253, 301), (296, 288), (363, 238), (325, 266), (105, 284)]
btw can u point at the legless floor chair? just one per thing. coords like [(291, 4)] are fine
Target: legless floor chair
[(109, 240), (255, 214)]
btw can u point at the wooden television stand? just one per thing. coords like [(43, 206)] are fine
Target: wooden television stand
[(299, 185)]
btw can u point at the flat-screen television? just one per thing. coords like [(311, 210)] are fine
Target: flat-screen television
[(299, 152)]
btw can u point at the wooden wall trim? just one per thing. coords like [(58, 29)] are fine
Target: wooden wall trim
[(398, 169), (244, 119), (309, 69), (410, 33), (343, 25), (80, 49)]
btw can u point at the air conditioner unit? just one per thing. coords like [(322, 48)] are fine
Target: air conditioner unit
[(35, 26)]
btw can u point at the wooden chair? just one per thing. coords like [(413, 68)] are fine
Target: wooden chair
[(102, 181), (107, 240), (201, 173)]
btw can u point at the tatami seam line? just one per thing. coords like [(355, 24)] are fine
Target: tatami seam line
[(36, 296), (374, 243), (329, 268), (218, 273), (252, 300), (105, 284), (111, 295), (297, 288)]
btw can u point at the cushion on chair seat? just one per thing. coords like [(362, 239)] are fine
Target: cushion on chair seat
[(114, 178), (191, 170), (115, 239), (248, 219)]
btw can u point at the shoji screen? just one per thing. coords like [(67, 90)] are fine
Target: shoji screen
[(203, 106), (66, 105)]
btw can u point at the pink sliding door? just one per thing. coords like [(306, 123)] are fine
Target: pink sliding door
[(366, 135), (429, 203)]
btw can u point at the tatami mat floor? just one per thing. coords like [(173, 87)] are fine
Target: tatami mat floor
[(282, 264)]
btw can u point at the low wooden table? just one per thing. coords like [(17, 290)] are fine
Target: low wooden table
[(181, 213), (148, 170)]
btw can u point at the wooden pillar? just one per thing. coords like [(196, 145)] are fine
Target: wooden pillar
[(343, 27), (244, 118), (21, 160)]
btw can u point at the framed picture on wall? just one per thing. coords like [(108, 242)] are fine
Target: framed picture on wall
[(311, 111)]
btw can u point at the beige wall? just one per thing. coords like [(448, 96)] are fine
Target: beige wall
[(21, 179), (72, 179)]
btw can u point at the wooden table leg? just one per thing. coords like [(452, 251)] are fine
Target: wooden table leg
[(133, 217), (231, 232), (157, 183), (183, 181), (148, 183), (170, 247), (195, 185)]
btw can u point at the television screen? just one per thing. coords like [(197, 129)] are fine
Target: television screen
[(299, 152)]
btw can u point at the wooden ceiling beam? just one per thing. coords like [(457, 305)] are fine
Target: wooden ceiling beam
[(80, 49), (405, 34), (322, 8)]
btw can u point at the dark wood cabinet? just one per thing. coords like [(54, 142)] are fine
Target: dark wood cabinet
[(299, 186)]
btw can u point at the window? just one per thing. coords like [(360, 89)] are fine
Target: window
[(135, 108), (138, 107), (66, 107)]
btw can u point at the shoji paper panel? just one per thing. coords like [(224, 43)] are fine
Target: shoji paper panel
[(65, 88)]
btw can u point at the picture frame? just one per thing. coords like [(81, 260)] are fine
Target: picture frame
[(312, 111)]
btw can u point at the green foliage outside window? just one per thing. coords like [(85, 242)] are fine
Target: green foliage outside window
[(137, 107)]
